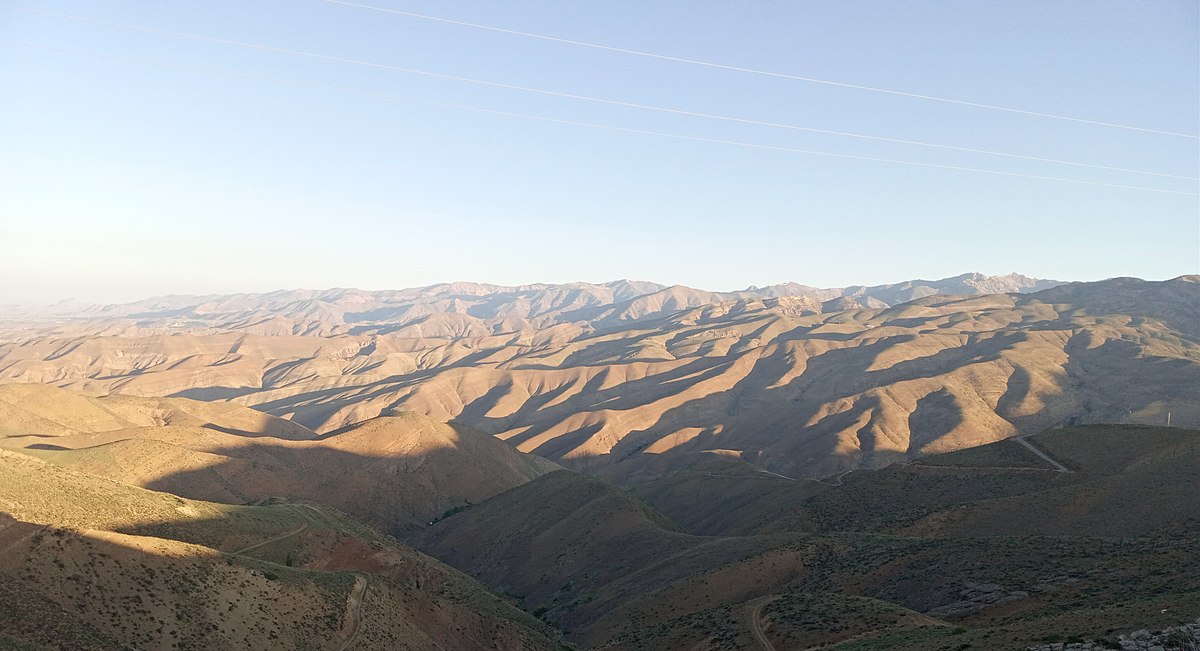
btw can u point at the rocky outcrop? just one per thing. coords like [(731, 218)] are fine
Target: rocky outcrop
[(1185, 637)]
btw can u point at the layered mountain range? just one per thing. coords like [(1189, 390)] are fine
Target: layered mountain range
[(170, 523), (607, 467), (481, 308), (631, 380)]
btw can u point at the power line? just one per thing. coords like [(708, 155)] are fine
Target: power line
[(766, 73), (588, 98), (589, 125)]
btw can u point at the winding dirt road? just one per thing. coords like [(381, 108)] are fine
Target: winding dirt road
[(836, 480), (268, 541), (756, 627), (353, 620), (281, 536)]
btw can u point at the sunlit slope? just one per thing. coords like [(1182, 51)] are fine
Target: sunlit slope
[(774, 380), (395, 472), (92, 563), (808, 395), (455, 309), (45, 410)]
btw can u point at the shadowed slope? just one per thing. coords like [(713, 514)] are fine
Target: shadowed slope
[(572, 549), (395, 472), (722, 497), (164, 584), (47, 410), (774, 380), (990, 546)]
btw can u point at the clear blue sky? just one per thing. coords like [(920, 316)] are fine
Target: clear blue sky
[(120, 180)]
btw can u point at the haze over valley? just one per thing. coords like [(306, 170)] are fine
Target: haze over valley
[(308, 340)]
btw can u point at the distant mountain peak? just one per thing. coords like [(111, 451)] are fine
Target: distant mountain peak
[(329, 311)]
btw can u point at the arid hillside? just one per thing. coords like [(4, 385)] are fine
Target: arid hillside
[(1080, 533), (89, 563), (996, 547), (631, 380), (43, 410), (394, 472)]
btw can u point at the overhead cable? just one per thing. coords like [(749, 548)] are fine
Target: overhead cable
[(589, 98), (589, 125), (755, 71)]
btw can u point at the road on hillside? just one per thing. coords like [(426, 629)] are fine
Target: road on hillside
[(281, 536), (756, 627), (23, 538), (1029, 446), (353, 618), (268, 541), (836, 480)]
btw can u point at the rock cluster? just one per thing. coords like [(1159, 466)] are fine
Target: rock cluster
[(1178, 638), (977, 596)]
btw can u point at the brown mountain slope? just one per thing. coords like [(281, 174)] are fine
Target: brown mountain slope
[(46, 410), (572, 549), (1120, 480), (992, 547), (344, 311), (777, 382), (142, 569), (806, 396), (395, 472), (723, 497), (1123, 481)]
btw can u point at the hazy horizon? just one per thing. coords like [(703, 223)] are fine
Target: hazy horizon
[(172, 148), (136, 298)]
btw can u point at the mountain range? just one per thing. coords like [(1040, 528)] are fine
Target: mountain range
[(629, 386), (1076, 534), (620, 466), (483, 306)]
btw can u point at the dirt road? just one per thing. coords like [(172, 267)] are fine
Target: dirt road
[(270, 540), (353, 620), (756, 626), (1029, 446)]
